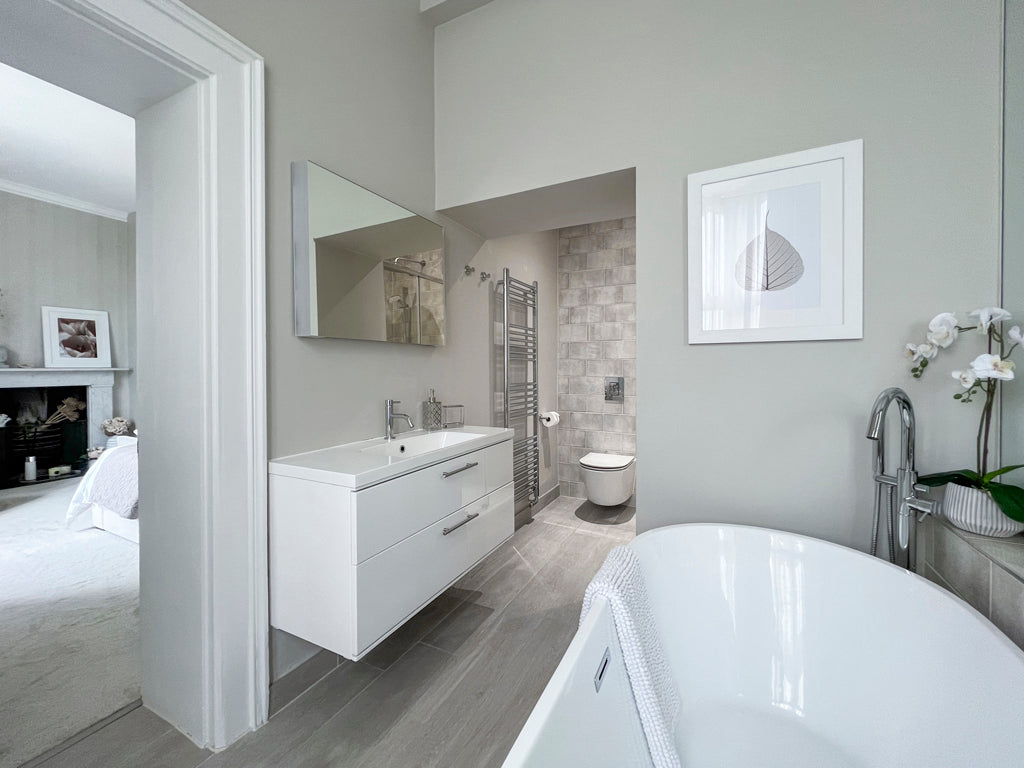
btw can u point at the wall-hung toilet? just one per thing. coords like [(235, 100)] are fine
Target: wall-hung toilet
[(608, 478)]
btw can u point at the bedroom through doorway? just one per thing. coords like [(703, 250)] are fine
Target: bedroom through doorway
[(69, 530)]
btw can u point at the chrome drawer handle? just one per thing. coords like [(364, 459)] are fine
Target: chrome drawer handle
[(460, 469), (471, 516)]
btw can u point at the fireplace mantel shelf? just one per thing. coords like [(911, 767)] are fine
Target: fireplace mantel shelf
[(98, 384), (63, 370)]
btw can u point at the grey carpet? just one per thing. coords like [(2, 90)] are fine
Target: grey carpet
[(69, 622)]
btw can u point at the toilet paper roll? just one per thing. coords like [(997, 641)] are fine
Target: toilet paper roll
[(550, 418)]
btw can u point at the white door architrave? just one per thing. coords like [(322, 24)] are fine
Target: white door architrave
[(201, 366)]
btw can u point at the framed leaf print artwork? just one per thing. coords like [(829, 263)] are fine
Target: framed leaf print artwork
[(775, 248)]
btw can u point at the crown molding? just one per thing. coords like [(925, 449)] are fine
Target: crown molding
[(34, 193)]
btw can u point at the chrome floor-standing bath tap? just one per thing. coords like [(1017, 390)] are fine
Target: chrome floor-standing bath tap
[(897, 494)]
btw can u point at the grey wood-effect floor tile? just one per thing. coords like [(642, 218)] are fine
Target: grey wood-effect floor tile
[(473, 708), (365, 725), (527, 554), (122, 743), (506, 624), (275, 744), (407, 635), (580, 514), (172, 750), (497, 580), (618, 518), (289, 687), (459, 626)]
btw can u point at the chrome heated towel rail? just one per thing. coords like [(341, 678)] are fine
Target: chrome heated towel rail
[(520, 400)]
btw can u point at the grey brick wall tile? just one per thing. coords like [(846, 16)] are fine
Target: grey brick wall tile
[(620, 238), (586, 314), (605, 331), (603, 368), (597, 339), (604, 259)]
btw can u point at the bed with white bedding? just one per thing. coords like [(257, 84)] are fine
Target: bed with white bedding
[(109, 492)]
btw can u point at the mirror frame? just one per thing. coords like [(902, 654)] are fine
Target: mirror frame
[(1011, 262)]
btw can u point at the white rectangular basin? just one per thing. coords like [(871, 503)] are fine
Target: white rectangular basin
[(416, 445), (368, 462)]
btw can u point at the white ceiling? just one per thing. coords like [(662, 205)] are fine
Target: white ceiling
[(43, 38), (59, 146), (440, 11)]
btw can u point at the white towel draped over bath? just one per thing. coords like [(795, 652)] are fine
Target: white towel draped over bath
[(620, 581)]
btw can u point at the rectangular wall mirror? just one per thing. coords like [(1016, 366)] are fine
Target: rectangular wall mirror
[(364, 267)]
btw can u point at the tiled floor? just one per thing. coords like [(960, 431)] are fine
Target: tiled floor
[(451, 688)]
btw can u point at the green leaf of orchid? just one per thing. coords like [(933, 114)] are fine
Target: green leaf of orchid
[(997, 472), (967, 477), (1010, 499)]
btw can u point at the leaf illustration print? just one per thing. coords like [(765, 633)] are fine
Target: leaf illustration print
[(768, 263)]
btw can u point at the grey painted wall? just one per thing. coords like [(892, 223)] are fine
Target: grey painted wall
[(350, 86), (767, 434), (323, 104), (57, 256)]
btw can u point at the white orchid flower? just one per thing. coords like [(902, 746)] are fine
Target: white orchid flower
[(966, 378), (988, 315), (991, 367), (942, 330), (927, 350), (1014, 335)]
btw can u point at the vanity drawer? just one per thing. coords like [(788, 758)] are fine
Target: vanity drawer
[(386, 514), (497, 464), (400, 580)]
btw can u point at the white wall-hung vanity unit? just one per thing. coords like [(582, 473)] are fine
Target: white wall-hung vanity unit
[(365, 534)]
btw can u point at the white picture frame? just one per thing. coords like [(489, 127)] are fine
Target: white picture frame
[(75, 338), (799, 279)]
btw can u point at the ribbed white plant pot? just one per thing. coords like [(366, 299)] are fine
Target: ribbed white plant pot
[(973, 510)]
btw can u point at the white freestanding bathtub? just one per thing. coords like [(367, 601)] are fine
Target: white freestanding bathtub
[(788, 651)]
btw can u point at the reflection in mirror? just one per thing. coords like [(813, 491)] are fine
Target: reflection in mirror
[(1012, 409), (364, 268)]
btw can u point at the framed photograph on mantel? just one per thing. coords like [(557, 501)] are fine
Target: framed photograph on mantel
[(76, 338), (775, 248)]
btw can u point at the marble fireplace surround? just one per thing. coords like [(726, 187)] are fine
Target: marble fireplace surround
[(99, 384)]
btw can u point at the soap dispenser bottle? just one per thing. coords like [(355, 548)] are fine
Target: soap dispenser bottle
[(431, 412)]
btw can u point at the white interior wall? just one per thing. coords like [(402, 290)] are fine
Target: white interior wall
[(56, 256), (767, 434)]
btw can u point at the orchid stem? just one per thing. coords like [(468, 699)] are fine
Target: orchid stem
[(986, 420)]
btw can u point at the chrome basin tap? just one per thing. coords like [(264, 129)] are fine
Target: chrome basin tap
[(390, 416), (903, 485)]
